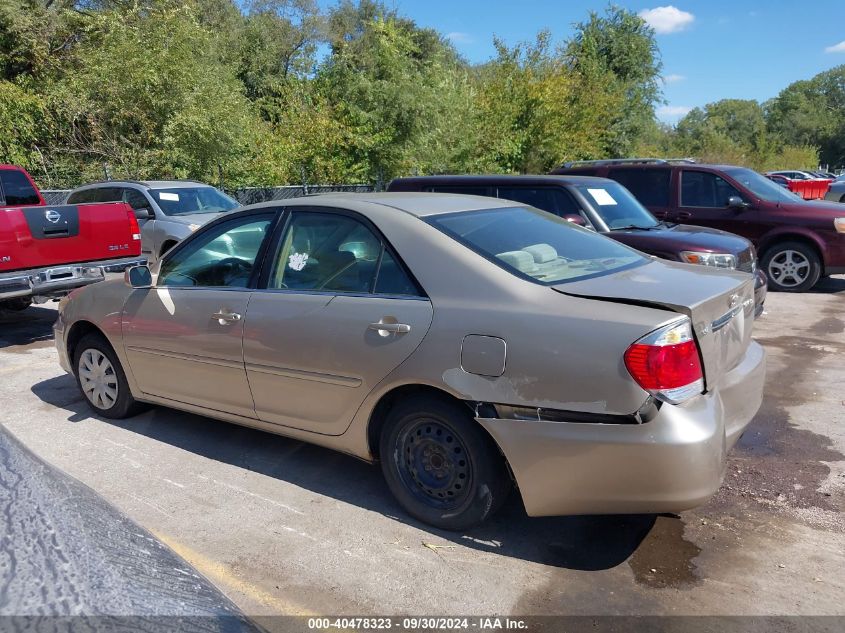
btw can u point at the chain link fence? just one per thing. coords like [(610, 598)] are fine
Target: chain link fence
[(248, 195)]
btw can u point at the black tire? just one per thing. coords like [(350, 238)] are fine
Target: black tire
[(792, 266), (124, 405), (462, 479), (18, 304)]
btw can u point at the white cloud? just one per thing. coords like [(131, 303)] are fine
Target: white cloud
[(458, 37), (836, 48), (673, 79), (667, 19), (672, 113)]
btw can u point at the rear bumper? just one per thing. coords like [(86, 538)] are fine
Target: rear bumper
[(54, 281), (672, 463)]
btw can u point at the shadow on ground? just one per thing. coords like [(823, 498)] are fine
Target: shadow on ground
[(32, 327), (581, 543)]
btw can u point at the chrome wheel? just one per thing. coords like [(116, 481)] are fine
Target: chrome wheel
[(789, 268), (97, 378)]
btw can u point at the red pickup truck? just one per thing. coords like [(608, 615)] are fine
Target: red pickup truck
[(47, 251)]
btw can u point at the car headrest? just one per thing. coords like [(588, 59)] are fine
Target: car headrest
[(521, 260), (541, 253)]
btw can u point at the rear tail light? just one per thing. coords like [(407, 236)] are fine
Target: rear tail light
[(666, 363), (133, 225)]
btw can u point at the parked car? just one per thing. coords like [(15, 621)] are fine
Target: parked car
[(457, 339), (608, 208), (798, 241), (167, 210), (46, 251), (794, 174), (836, 192), (807, 184)]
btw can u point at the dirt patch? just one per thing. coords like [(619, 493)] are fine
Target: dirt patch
[(775, 461), (665, 558)]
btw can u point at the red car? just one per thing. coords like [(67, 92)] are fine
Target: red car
[(47, 251), (798, 241)]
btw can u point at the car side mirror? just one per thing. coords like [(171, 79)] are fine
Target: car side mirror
[(144, 214), (138, 277), (575, 219), (737, 204)]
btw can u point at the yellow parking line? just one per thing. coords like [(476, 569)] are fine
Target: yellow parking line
[(222, 576)]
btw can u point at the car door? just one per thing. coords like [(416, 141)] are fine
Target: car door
[(704, 201), (139, 203), (183, 337), (336, 314)]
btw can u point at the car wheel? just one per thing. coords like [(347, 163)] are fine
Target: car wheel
[(792, 267), (101, 378), (441, 465)]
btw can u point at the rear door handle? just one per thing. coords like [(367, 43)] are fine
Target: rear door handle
[(385, 329), (226, 318)]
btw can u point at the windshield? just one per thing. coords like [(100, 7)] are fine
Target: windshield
[(617, 206), (761, 186), (536, 245), (186, 200)]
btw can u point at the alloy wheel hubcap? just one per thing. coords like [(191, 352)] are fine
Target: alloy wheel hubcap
[(789, 268), (434, 464), (98, 380)]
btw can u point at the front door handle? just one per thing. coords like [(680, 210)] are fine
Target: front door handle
[(684, 215), (386, 329), (226, 318)]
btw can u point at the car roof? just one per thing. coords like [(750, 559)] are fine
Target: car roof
[(411, 202), (152, 184), (490, 179), (640, 166)]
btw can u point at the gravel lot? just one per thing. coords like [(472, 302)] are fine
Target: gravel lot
[(287, 528)]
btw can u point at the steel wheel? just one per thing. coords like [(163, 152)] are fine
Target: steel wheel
[(98, 379), (789, 268), (434, 464)]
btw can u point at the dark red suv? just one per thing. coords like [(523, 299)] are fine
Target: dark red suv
[(609, 209), (798, 241)]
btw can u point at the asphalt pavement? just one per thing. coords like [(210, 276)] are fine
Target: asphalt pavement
[(282, 527)]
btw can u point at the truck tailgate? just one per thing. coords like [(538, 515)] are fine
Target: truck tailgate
[(34, 237)]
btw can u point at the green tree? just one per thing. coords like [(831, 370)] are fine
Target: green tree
[(619, 45)]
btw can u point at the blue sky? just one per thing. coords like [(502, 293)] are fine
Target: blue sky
[(712, 50)]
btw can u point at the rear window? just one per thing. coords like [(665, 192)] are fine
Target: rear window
[(17, 190), (649, 186), (536, 245)]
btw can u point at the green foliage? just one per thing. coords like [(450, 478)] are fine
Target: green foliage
[(618, 52), (266, 92)]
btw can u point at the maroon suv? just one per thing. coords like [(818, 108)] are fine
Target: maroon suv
[(799, 241), (609, 209)]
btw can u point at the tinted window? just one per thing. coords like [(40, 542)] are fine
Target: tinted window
[(703, 189), (552, 199), (392, 278), (81, 197), (135, 199), (649, 186), (333, 252), (186, 200), (221, 257), (17, 189), (537, 245)]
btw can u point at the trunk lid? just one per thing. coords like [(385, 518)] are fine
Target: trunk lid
[(720, 305), (34, 237)]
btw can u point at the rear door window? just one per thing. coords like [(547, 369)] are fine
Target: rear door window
[(17, 189), (552, 199), (704, 189), (649, 186)]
